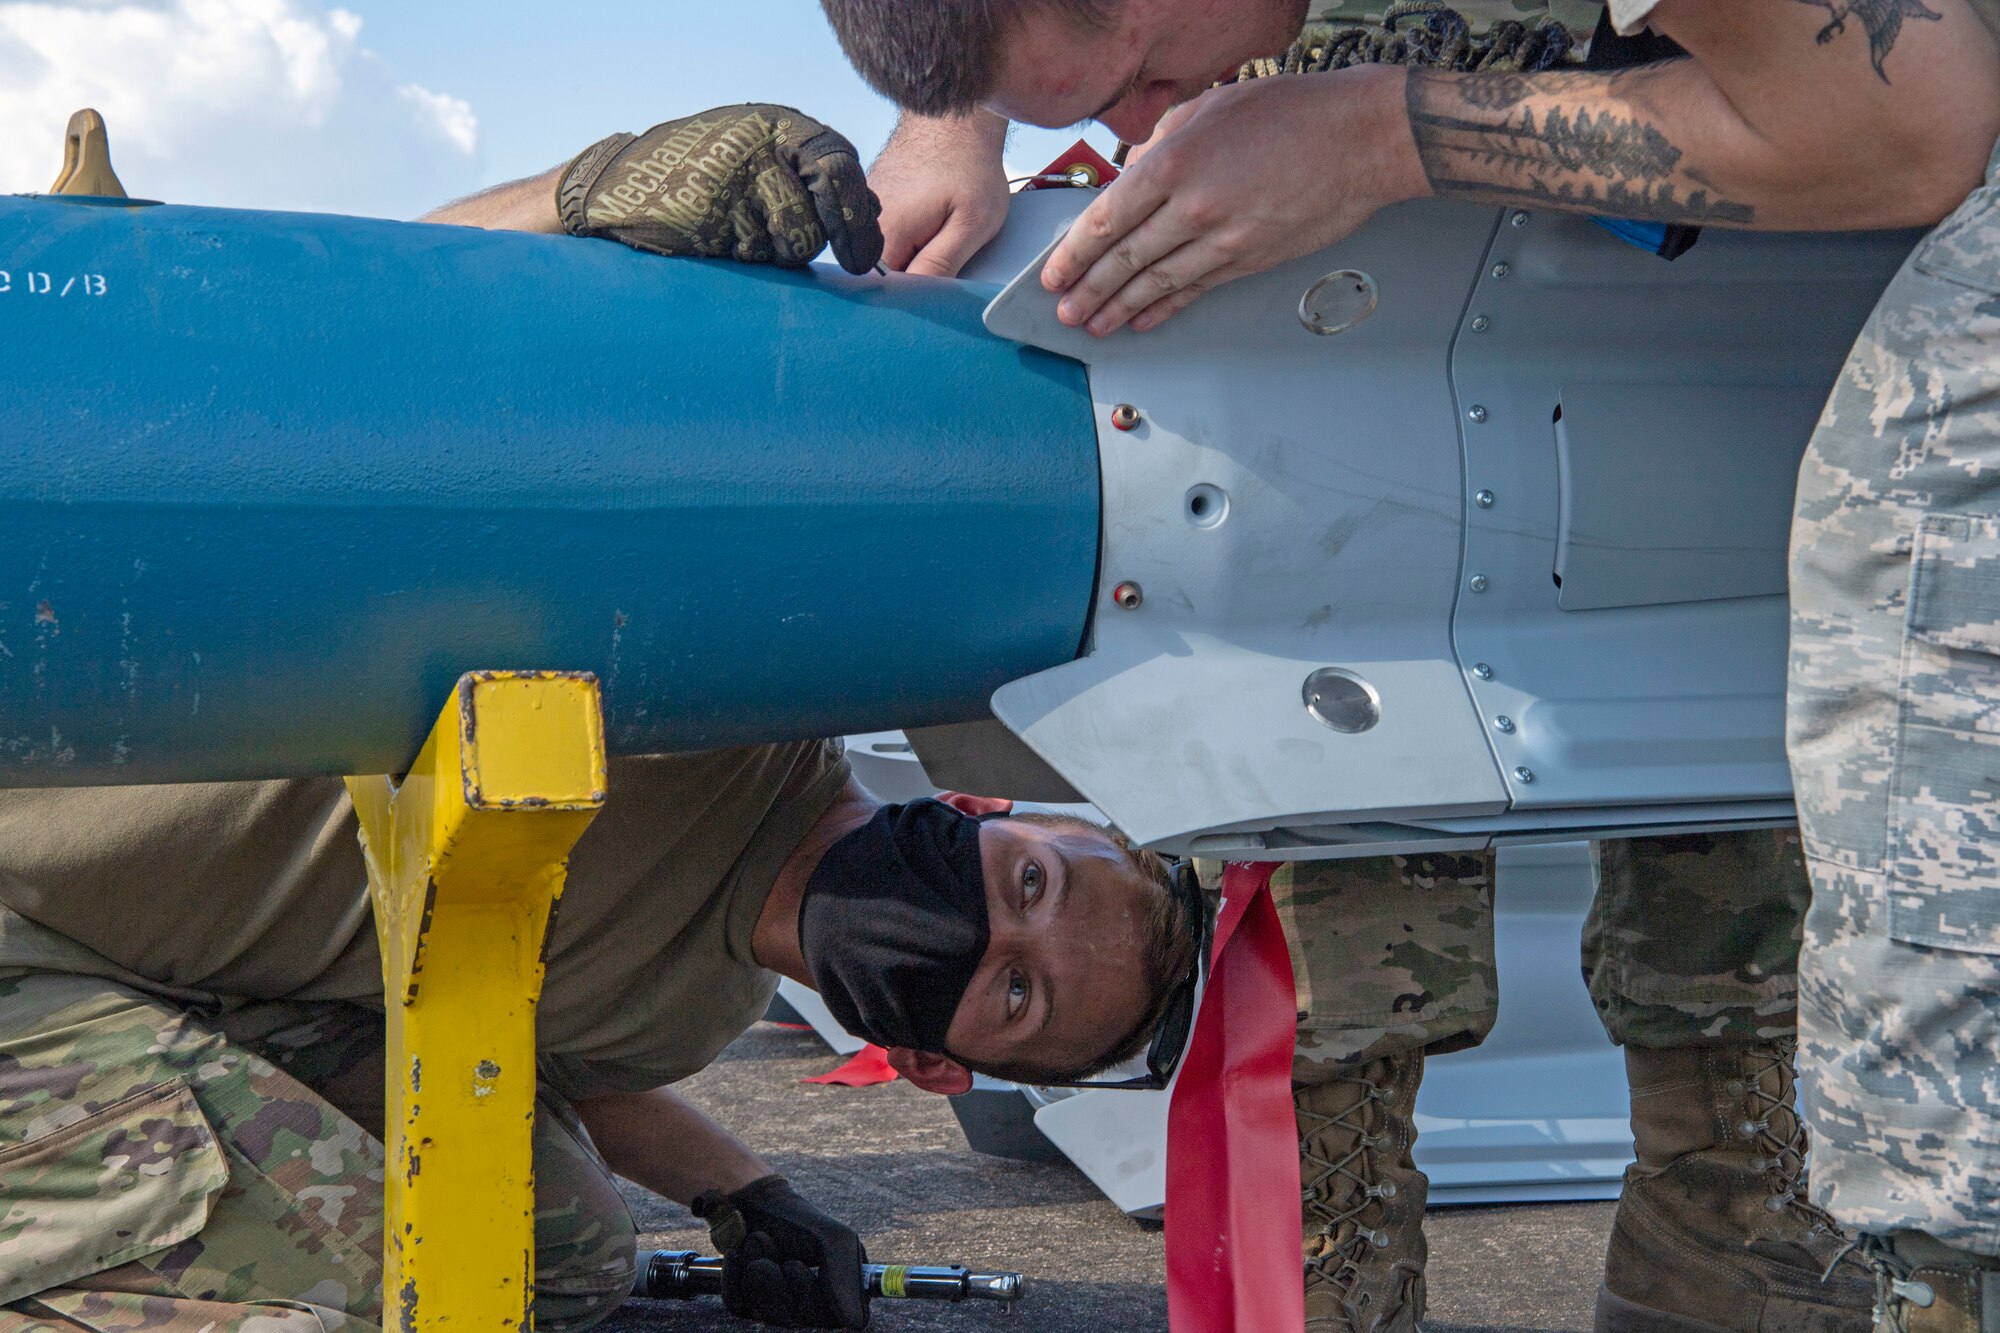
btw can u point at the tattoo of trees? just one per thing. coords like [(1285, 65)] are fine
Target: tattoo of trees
[(1475, 136), (1883, 20)]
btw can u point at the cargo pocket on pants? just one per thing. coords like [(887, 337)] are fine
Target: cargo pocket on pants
[(1962, 248), (1944, 789), (128, 1180)]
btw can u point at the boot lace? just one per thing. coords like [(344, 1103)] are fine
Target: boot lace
[(1427, 34), (1777, 1133), (1896, 1290), (1343, 1185)]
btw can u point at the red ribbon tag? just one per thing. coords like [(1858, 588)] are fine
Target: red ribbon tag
[(1233, 1228)]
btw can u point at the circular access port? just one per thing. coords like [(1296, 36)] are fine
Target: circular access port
[(1338, 301), (1342, 700), (1206, 505)]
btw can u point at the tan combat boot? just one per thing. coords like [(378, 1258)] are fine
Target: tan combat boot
[(1363, 1199), (1922, 1286), (1713, 1232)]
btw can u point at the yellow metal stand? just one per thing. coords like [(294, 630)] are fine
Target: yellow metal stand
[(466, 857)]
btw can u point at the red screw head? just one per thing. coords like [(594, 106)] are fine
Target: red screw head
[(1127, 595), (1124, 416)]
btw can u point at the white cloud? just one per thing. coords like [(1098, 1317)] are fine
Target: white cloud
[(451, 116), (250, 103)]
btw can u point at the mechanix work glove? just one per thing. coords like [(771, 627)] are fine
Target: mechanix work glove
[(759, 183), (784, 1261)]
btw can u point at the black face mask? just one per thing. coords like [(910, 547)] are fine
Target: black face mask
[(893, 924)]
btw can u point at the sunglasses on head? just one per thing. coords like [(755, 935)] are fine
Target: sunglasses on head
[(1176, 1025)]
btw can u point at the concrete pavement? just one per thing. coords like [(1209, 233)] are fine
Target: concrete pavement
[(891, 1161)]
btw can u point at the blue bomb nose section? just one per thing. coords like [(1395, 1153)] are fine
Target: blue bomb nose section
[(269, 483)]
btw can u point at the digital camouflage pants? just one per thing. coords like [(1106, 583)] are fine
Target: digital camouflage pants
[(166, 1173), (1691, 940), (1894, 723)]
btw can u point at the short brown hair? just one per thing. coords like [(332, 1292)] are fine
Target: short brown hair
[(1171, 952), (940, 57)]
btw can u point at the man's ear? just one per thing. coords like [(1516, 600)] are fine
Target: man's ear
[(975, 805), (932, 1073)]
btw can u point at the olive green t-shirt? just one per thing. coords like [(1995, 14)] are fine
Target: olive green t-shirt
[(220, 893)]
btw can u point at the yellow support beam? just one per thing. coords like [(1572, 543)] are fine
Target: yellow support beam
[(466, 856)]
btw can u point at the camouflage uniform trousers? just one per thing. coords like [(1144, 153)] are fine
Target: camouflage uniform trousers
[(1692, 940), (160, 1171), (1894, 728)]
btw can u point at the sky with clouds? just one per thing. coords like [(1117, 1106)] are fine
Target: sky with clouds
[(387, 107)]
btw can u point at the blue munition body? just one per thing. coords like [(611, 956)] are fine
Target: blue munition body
[(269, 483)]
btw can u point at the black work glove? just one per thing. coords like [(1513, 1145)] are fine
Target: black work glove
[(784, 1261), (759, 183)]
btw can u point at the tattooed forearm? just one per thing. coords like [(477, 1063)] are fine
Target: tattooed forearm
[(1537, 139), (1883, 20)]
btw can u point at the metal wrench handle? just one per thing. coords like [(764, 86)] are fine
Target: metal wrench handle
[(685, 1274)]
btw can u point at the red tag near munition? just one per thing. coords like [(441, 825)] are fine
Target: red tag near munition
[(1233, 1225), (869, 1066), (1079, 165)]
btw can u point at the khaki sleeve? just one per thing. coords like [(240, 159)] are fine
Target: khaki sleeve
[(579, 1078)]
